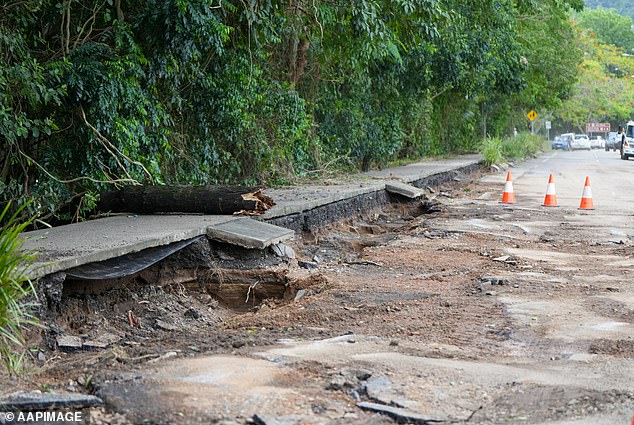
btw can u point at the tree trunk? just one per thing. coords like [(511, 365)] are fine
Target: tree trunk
[(186, 199), (483, 121), (302, 60), (117, 5)]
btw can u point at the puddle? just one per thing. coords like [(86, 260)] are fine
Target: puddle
[(221, 371)]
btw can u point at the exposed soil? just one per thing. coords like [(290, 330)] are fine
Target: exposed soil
[(450, 306)]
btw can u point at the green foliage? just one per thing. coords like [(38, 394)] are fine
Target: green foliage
[(609, 27), (101, 93), (605, 90), (552, 55), (14, 289), (524, 145), (491, 150), (494, 149)]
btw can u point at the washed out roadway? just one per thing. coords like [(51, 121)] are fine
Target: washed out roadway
[(483, 313)]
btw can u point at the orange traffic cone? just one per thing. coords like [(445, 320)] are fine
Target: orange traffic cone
[(509, 196), (586, 198), (551, 197)]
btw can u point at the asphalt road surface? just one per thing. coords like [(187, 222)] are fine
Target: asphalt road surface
[(611, 178), (481, 313)]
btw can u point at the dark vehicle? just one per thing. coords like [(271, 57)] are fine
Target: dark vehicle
[(627, 149), (611, 142), (566, 140), (560, 143)]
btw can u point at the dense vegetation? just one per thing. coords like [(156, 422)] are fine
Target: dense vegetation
[(609, 27), (98, 93)]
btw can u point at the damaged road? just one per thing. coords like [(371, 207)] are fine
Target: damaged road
[(461, 310)]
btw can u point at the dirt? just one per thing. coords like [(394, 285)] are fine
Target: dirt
[(398, 293)]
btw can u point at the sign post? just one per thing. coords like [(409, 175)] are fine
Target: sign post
[(532, 116), (548, 126)]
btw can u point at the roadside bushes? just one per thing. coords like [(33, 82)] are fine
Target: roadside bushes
[(522, 146), (491, 151), (15, 288), (495, 149)]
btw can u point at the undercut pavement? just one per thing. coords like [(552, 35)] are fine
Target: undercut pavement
[(297, 208)]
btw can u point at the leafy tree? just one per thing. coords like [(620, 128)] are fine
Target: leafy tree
[(609, 27), (605, 89), (97, 93)]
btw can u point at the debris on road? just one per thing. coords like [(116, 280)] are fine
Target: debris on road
[(283, 250), (166, 326), (168, 355), (443, 320), (34, 401), (186, 199), (69, 343), (307, 265), (494, 280), (363, 263), (133, 320), (406, 190), (399, 414)]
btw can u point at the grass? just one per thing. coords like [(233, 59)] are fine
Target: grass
[(495, 150), (15, 290), (491, 150)]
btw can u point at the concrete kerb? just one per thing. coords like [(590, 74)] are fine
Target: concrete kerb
[(310, 216)]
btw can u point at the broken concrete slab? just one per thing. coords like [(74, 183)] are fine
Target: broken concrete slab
[(47, 401), (283, 250), (405, 190), (94, 345), (400, 415), (69, 343), (279, 420), (299, 295), (249, 233), (166, 326), (379, 388), (65, 247)]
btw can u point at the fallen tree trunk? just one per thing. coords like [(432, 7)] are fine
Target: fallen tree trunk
[(185, 199)]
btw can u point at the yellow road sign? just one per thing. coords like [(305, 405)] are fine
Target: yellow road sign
[(532, 115)]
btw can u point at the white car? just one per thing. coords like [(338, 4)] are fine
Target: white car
[(627, 150), (580, 141), (597, 142)]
